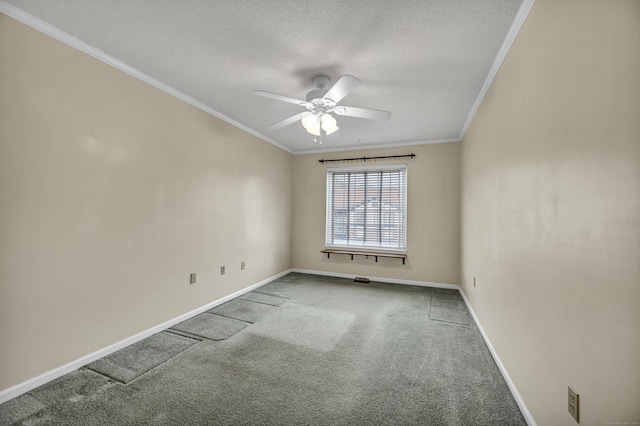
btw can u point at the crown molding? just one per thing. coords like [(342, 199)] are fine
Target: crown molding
[(522, 14), (78, 44), (98, 54), (373, 146)]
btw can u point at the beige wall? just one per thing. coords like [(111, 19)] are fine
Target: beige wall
[(551, 211), (111, 193), (433, 216)]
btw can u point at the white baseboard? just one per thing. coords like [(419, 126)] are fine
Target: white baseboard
[(40, 380), (512, 387), (380, 279)]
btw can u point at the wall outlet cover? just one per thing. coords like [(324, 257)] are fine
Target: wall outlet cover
[(574, 404)]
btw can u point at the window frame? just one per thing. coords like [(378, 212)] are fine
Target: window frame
[(403, 212)]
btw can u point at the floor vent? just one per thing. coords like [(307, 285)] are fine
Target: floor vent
[(361, 280)]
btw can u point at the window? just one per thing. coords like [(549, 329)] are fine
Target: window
[(366, 207)]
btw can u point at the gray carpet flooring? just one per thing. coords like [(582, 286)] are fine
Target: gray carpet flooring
[(316, 351), (243, 310), (210, 326), (135, 360), (267, 299)]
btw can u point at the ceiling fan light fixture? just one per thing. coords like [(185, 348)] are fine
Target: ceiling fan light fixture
[(320, 102), (311, 123), (329, 124)]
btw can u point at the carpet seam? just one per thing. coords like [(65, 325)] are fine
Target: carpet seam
[(450, 322), (183, 334), (237, 319), (34, 382), (262, 303), (268, 294), (111, 377), (202, 338), (86, 367), (473, 324)]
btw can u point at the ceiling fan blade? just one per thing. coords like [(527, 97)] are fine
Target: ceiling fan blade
[(280, 97), (371, 114), (342, 88), (290, 120)]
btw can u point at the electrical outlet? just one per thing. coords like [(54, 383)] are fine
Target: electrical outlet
[(574, 404), (242, 265), (192, 278), (474, 281), (222, 270)]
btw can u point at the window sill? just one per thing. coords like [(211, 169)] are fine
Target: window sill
[(352, 253), (365, 249)]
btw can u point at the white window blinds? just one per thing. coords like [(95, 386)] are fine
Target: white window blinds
[(366, 207)]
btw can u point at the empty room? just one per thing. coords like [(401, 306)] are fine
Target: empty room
[(327, 213)]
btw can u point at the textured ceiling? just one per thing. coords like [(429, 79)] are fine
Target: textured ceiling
[(426, 61)]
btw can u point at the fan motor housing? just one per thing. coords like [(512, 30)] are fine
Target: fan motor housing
[(321, 80), (316, 94), (315, 98)]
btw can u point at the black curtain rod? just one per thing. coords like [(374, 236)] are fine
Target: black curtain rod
[(386, 157)]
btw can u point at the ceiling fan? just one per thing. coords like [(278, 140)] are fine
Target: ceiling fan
[(321, 102)]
